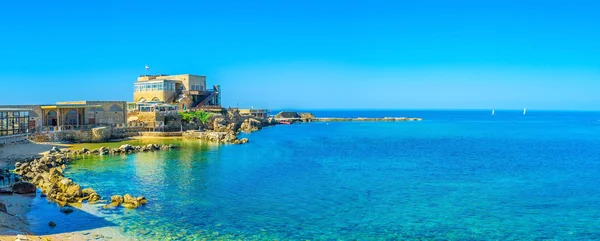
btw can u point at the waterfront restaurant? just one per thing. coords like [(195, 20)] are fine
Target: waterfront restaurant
[(14, 121)]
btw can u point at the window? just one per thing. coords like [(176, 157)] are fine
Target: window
[(51, 118), (71, 117), (154, 87), (142, 87), (115, 108), (136, 88), (161, 86)]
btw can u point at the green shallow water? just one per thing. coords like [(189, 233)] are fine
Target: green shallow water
[(457, 176)]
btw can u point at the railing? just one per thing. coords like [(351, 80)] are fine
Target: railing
[(65, 128)]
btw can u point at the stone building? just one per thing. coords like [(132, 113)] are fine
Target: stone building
[(186, 90), (259, 113), (74, 115)]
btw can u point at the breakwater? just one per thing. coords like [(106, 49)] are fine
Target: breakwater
[(344, 119), (335, 119)]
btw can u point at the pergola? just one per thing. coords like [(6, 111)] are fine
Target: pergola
[(67, 116)]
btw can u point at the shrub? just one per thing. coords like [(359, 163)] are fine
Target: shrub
[(202, 116)]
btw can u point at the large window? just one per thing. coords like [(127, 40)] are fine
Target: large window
[(71, 118), (159, 86), (14, 122)]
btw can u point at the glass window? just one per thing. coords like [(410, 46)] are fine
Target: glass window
[(136, 88), (154, 87), (142, 88), (161, 86), (71, 118)]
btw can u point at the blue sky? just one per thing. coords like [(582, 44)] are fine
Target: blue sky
[(309, 54)]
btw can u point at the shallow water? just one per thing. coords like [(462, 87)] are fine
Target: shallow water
[(456, 175)]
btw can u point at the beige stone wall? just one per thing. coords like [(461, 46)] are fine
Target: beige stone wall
[(113, 112), (150, 95)]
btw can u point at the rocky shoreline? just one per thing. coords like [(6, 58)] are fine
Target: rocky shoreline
[(46, 173)]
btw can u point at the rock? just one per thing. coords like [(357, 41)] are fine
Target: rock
[(21, 237), (66, 210), (93, 198), (2, 207), (129, 205), (55, 149), (128, 198), (116, 199), (74, 191), (130, 202), (142, 200), (64, 184), (23, 188), (250, 125), (51, 224), (125, 148), (101, 134)]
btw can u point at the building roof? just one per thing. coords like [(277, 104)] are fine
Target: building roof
[(13, 109), (44, 107)]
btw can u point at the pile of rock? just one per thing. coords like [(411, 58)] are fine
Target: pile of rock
[(124, 149), (216, 137), (126, 201), (47, 174)]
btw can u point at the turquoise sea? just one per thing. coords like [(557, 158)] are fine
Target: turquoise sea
[(456, 175)]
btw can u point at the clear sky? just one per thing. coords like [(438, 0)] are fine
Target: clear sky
[(310, 53)]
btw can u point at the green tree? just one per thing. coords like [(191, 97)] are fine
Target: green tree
[(199, 115)]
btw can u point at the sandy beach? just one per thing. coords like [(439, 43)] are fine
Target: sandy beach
[(11, 153), (13, 222)]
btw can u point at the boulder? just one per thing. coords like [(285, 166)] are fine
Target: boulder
[(23, 188), (101, 134), (250, 125), (73, 191), (129, 205), (55, 149), (142, 200), (64, 184), (130, 202), (118, 199), (51, 224), (126, 148), (66, 210)]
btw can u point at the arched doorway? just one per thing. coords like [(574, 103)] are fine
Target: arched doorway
[(51, 118), (71, 117)]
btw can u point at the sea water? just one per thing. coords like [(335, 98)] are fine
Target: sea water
[(456, 175)]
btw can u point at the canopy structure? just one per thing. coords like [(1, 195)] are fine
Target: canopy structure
[(68, 116)]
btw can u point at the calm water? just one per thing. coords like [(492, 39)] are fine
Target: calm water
[(456, 175)]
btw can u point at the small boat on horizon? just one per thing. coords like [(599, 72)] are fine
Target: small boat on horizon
[(285, 122), (493, 112), (524, 111)]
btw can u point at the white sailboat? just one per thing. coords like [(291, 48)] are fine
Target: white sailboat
[(493, 113), (524, 111)]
